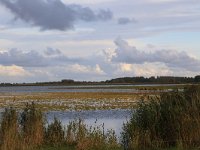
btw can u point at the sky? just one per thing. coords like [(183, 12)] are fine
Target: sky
[(94, 40)]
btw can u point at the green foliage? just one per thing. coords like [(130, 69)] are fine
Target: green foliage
[(173, 120), (55, 133)]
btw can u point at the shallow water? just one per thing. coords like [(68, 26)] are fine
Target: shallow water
[(88, 88), (37, 89), (112, 119)]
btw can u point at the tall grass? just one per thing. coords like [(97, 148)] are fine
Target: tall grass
[(171, 120), (9, 135), (27, 131), (54, 134), (32, 124)]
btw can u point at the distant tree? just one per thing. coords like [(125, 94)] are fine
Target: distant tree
[(67, 81), (197, 78)]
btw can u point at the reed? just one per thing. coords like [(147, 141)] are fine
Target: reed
[(27, 131), (9, 135), (33, 126), (171, 120), (54, 134)]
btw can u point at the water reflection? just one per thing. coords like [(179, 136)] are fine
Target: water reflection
[(112, 119)]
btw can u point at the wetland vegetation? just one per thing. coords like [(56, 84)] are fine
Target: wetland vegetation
[(169, 120)]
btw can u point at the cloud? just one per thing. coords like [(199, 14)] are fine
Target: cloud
[(77, 68), (171, 58), (13, 71), (54, 14), (124, 60), (20, 58), (74, 71), (124, 21), (146, 69), (51, 57), (52, 52)]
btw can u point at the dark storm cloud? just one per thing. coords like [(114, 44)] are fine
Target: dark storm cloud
[(124, 21), (54, 14), (171, 58)]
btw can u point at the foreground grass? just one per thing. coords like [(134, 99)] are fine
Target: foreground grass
[(57, 148), (71, 148), (171, 120), (28, 131)]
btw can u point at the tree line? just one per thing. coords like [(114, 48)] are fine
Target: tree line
[(121, 80)]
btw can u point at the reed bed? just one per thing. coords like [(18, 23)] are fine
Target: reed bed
[(28, 131), (171, 120)]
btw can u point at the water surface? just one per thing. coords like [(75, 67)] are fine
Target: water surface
[(82, 88), (112, 119)]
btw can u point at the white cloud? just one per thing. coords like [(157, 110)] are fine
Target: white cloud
[(171, 58), (13, 71), (99, 70), (126, 67), (123, 60), (77, 68), (146, 69)]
